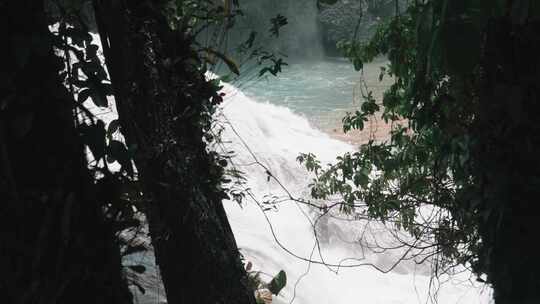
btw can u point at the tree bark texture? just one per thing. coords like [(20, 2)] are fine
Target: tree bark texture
[(509, 140), (162, 100), (56, 246)]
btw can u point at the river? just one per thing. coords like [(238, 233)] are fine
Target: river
[(268, 123)]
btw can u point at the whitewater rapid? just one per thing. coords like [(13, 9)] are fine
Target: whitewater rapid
[(258, 131), (266, 137)]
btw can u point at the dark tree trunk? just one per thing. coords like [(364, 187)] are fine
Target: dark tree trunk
[(509, 137), (161, 99), (55, 245)]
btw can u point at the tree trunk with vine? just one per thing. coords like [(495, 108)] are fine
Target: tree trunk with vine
[(164, 103), (56, 245)]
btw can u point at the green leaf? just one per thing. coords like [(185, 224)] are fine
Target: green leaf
[(110, 159), (94, 137), (118, 151), (277, 22), (99, 91), (91, 50), (361, 179), (113, 127), (77, 35), (249, 42), (278, 283), (83, 95), (264, 71), (249, 265), (99, 98), (358, 64)]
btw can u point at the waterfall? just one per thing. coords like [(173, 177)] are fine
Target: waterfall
[(273, 136)]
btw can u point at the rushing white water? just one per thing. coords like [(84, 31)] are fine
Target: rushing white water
[(274, 136)]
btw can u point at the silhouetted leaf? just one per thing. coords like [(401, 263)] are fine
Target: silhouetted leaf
[(94, 137), (91, 50), (118, 151), (278, 283), (139, 287), (249, 42), (83, 95), (99, 98), (277, 22), (113, 127), (228, 61), (358, 64), (137, 268)]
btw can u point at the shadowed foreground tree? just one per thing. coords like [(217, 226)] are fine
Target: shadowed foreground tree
[(165, 105), (62, 206), (57, 246)]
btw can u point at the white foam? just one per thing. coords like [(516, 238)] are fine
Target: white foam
[(275, 137)]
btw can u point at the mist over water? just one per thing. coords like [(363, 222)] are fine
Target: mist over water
[(321, 90), (299, 39)]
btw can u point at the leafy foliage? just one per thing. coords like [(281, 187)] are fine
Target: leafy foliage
[(430, 163), (278, 283), (257, 284), (277, 22)]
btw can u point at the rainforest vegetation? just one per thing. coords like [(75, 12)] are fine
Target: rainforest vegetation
[(458, 171)]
